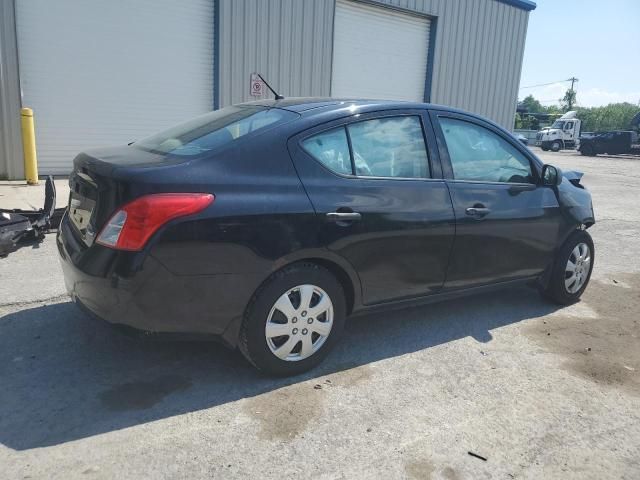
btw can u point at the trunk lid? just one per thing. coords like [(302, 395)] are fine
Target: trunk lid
[(104, 179)]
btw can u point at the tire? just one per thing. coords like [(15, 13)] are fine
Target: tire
[(559, 288), (544, 149), (588, 150), (285, 291), (556, 146)]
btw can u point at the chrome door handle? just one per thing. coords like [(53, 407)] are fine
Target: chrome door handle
[(343, 216), (477, 211)]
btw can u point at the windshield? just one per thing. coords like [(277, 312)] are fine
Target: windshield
[(214, 130), (558, 124)]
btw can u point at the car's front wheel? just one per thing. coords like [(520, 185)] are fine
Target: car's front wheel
[(571, 270), (556, 146), (293, 320)]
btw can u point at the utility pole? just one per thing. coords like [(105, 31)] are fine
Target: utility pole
[(573, 79), (571, 97)]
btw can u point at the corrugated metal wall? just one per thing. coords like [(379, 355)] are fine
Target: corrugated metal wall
[(288, 41), (11, 164), (477, 57)]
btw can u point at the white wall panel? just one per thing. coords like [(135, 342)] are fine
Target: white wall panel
[(107, 72), (379, 53)]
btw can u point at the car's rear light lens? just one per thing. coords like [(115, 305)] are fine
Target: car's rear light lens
[(132, 225)]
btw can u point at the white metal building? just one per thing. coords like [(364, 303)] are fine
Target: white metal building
[(99, 73)]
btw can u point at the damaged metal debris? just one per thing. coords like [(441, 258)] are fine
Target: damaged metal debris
[(25, 227)]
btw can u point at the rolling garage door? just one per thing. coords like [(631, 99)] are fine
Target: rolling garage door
[(108, 72), (379, 53)]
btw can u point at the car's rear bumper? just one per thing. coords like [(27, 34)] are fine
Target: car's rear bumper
[(149, 297)]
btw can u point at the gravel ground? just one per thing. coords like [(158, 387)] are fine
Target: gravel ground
[(540, 392)]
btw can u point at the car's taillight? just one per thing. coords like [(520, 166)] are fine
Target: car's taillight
[(133, 224)]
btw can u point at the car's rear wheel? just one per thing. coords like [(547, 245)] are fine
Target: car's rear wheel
[(572, 269), (293, 320)]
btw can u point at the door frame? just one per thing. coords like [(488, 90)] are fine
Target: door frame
[(535, 164)]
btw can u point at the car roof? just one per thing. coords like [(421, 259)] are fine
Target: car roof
[(326, 108), (304, 104)]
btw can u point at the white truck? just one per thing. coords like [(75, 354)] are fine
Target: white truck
[(564, 133)]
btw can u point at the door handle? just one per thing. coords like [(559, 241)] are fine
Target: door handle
[(343, 216), (477, 211)]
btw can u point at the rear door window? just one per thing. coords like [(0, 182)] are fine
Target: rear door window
[(331, 148), (389, 147), (383, 147)]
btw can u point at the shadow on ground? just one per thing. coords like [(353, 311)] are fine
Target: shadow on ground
[(65, 376)]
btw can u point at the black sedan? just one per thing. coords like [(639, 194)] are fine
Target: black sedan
[(266, 224)]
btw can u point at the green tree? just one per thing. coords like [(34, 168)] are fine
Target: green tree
[(532, 105), (569, 100), (553, 110), (615, 116)]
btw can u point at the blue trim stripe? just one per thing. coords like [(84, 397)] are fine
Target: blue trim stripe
[(527, 5), (431, 49)]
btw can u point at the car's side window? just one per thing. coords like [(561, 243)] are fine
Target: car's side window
[(478, 154), (389, 147), (330, 148)]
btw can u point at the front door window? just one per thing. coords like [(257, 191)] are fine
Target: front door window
[(478, 154)]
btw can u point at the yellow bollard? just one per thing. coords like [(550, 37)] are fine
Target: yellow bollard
[(29, 146)]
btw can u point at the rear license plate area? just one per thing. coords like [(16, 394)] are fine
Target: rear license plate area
[(82, 204)]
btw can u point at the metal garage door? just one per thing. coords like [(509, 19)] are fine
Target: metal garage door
[(107, 72), (379, 53)]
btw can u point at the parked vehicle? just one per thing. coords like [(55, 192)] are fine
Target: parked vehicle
[(266, 224), (612, 143), (616, 142), (522, 138), (563, 134)]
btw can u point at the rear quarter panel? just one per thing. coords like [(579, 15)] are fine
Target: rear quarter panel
[(260, 214)]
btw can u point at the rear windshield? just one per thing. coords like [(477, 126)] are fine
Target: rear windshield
[(214, 130)]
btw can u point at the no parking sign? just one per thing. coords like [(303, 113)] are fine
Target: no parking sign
[(256, 86)]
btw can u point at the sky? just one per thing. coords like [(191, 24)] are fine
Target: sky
[(596, 41)]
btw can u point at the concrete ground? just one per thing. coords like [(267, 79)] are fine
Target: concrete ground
[(17, 194), (539, 391)]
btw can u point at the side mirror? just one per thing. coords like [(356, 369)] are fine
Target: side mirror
[(551, 176)]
